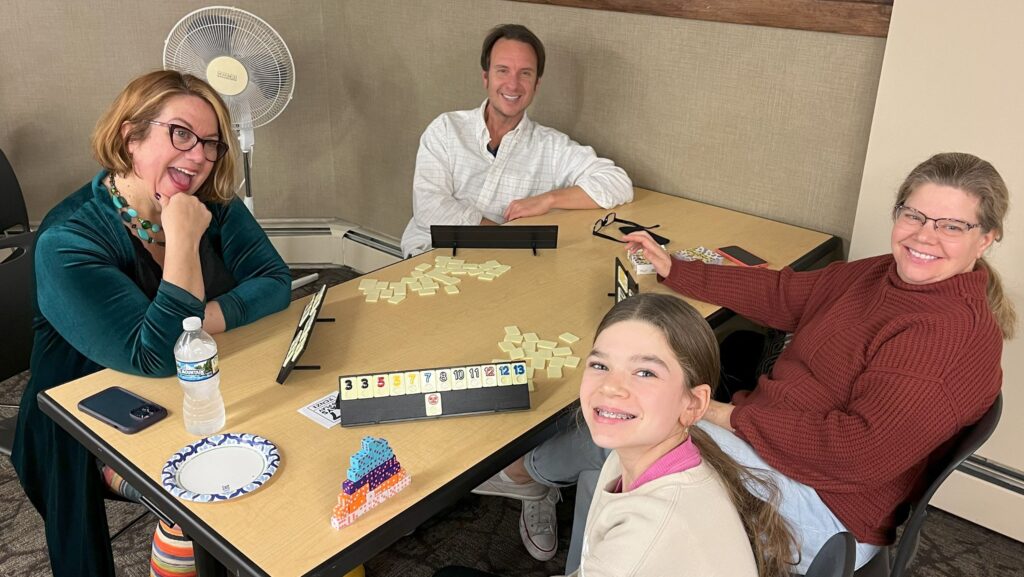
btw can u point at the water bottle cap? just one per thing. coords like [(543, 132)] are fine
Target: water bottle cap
[(192, 324)]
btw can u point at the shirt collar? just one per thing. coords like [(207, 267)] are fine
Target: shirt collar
[(684, 456), (524, 126)]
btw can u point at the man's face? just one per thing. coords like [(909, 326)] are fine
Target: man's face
[(511, 80)]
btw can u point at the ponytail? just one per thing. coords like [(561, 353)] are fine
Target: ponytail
[(1001, 306), (770, 538)]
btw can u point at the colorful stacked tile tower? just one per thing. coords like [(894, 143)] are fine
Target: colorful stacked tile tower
[(374, 475)]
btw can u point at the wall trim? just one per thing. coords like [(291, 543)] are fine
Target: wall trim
[(855, 17)]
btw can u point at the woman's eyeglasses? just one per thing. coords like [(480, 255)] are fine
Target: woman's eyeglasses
[(947, 227), (185, 140), (629, 228)]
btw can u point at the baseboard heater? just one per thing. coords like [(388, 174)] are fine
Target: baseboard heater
[(994, 472)]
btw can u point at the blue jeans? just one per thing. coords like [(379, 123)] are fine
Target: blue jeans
[(572, 457)]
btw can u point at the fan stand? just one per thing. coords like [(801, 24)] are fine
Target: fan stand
[(248, 184)]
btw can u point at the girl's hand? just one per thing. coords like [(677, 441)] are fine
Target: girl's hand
[(184, 219), (653, 252)]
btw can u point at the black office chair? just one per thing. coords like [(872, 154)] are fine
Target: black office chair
[(13, 213), (835, 558), (890, 563), (17, 290)]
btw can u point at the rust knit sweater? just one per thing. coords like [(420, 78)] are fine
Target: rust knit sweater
[(878, 375)]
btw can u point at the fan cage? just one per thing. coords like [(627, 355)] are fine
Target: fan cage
[(208, 33)]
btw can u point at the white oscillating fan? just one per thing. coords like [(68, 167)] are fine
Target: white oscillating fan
[(244, 59)]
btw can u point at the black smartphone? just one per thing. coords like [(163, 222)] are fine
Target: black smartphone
[(741, 257), (122, 409)]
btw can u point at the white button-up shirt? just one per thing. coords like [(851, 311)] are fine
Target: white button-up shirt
[(458, 181)]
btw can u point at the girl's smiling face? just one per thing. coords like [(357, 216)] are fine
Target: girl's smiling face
[(634, 394)]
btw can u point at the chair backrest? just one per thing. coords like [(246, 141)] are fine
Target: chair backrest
[(12, 203), (966, 443), (17, 294), (835, 558)]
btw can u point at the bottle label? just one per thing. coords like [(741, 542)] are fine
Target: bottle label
[(198, 370)]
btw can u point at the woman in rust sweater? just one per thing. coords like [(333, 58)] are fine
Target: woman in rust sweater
[(891, 355)]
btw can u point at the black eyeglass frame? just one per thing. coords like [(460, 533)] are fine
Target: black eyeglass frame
[(935, 221), (612, 217), (221, 147)]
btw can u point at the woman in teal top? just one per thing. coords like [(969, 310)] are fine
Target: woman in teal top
[(156, 237)]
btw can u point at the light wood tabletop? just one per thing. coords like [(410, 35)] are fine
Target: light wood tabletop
[(284, 527)]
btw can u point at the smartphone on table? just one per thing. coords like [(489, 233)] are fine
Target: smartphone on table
[(741, 257), (122, 409)]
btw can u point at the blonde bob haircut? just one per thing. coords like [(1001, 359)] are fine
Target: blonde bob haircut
[(143, 100)]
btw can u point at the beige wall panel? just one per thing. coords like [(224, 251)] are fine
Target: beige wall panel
[(763, 120), (952, 80), (769, 121), (64, 62)]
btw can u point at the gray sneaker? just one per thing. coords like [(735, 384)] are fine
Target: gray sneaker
[(538, 526), (496, 487)]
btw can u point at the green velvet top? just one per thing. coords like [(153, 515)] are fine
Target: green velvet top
[(96, 308)]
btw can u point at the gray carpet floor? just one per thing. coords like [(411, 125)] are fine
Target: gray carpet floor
[(479, 532)]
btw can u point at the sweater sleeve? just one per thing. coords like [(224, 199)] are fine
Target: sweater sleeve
[(925, 380), (264, 281), (100, 311), (773, 298)]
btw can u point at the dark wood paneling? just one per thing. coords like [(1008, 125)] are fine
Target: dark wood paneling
[(858, 17)]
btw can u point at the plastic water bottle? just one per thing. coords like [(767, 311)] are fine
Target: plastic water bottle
[(196, 356)]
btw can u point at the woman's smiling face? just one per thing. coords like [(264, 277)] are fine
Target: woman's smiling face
[(162, 168), (922, 254)]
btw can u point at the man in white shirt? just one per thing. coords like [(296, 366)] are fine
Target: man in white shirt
[(493, 164)]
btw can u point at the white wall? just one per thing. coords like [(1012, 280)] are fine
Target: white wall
[(952, 79)]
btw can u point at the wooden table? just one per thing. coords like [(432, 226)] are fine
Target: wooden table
[(283, 528)]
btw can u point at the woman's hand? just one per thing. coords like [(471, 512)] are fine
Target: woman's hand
[(652, 251), (720, 414), (184, 219)]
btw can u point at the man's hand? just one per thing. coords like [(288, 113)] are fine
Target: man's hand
[(652, 251), (529, 206)]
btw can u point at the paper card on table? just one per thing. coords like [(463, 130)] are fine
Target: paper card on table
[(323, 411)]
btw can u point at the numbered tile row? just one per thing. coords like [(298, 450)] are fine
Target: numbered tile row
[(397, 383)]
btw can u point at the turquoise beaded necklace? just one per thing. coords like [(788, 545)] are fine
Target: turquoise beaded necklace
[(143, 228)]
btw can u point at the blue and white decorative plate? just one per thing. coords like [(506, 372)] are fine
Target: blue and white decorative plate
[(220, 467)]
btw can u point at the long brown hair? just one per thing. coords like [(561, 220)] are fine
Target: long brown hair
[(694, 344), (143, 100), (979, 179)]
